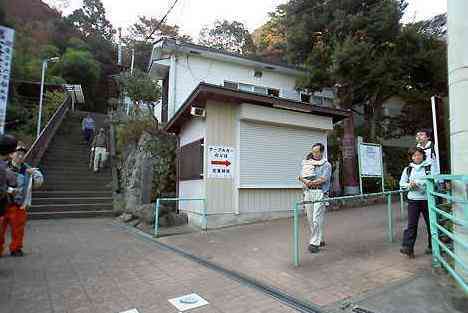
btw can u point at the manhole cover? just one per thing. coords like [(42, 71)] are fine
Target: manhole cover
[(188, 302)]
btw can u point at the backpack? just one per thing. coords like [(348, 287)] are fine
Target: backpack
[(433, 153)]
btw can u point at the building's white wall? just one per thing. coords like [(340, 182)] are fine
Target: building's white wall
[(192, 69), (220, 130), (190, 132), (192, 189), (267, 200), (284, 117)]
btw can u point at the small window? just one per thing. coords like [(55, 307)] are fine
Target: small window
[(258, 74), (273, 92), (317, 100), (260, 90), (305, 98), (231, 85), (245, 87), (328, 102)]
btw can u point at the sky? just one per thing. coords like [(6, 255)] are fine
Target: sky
[(192, 15)]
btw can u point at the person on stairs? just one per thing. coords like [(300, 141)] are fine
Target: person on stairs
[(87, 126), (15, 217), (413, 179), (99, 147)]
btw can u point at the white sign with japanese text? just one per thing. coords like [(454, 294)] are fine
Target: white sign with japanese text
[(220, 161), (371, 160), (6, 53)]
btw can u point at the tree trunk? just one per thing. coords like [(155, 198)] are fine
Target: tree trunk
[(350, 181)]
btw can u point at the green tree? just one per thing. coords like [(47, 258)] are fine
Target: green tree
[(79, 67), (91, 20), (357, 47), (143, 33), (231, 36), (142, 90)]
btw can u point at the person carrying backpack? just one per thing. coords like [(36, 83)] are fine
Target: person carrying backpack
[(413, 180), (423, 141)]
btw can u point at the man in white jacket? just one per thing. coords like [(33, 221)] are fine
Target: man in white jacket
[(413, 180), (423, 140)]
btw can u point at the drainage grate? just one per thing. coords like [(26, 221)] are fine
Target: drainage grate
[(361, 310)]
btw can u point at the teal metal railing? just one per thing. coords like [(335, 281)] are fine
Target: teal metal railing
[(449, 219), (298, 205), (157, 206)]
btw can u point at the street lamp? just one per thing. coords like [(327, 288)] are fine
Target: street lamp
[(44, 67)]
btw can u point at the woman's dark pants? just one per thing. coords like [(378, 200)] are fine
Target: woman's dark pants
[(416, 208)]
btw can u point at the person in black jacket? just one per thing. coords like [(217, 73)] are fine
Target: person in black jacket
[(7, 145)]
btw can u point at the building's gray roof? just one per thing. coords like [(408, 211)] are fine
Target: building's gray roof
[(206, 91), (170, 43)]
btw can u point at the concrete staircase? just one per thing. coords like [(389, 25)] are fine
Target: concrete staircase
[(71, 189)]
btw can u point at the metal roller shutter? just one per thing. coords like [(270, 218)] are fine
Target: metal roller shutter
[(270, 156)]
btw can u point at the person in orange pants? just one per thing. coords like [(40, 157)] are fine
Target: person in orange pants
[(15, 217), (20, 199)]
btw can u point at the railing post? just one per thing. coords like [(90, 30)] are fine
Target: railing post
[(296, 234), (402, 205), (433, 223), (389, 218), (156, 219)]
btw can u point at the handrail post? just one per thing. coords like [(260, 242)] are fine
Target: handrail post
[(389, 218), (205, 215), (432, 224), (156, 218), (296, 234), (402, 205)]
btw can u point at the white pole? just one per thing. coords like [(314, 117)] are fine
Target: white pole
[(133, 61), (458, 95), (435, 131), (39, 116)]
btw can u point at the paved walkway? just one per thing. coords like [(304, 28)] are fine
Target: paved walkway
[(356, 262), (91, 266)]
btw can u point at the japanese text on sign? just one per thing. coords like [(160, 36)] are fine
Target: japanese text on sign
[(371, 160), (220, 161)]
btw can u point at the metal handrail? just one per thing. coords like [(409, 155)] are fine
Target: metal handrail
[(40, 145), (437, 230)]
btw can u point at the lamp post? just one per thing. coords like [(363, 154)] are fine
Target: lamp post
[(39, 117)]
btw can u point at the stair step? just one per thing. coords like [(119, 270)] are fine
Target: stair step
[(75, 170), (76, 188), (89, 178), (70, 194), (70, 214), (70, 200), (44, 208)]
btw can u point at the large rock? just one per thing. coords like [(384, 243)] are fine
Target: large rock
[(173, 219), (145, 213), (137, 175)]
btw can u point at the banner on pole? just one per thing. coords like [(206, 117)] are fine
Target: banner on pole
[(6, 53)]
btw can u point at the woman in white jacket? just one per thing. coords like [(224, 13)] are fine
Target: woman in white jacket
[(413, 180)]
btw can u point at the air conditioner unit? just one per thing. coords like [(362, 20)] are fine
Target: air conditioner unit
[(197, 111)]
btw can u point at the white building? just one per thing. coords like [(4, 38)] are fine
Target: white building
[(215, 100)]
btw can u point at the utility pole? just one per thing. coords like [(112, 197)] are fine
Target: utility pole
[(458, 95)]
